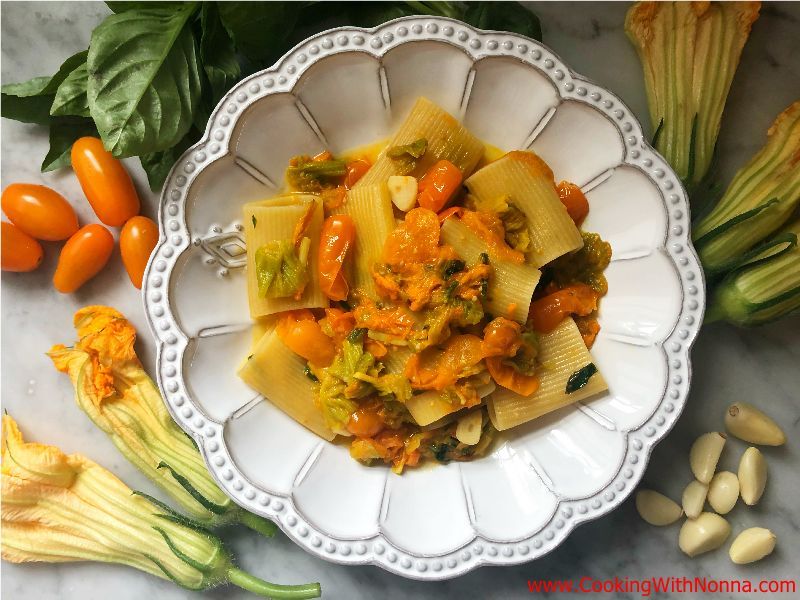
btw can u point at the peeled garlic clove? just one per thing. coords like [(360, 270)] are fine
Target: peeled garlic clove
[(403, 191), (752, 475), (751, 545), (723, 492), (748, 423), (694, 497), (704, 455), (706, 532), (656, 508)]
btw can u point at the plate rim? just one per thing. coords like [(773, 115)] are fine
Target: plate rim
[(171, 342)]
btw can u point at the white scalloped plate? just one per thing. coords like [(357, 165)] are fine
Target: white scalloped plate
[(350, 86)]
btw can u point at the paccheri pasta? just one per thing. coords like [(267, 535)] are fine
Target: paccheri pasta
[(415, 302)]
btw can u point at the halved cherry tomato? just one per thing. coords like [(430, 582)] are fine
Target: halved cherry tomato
[(510, 378), (546, 313), (20, 252), (355, 170), (104, 180), (303, 336), (82, 257), (438, 185), (136, 242), (365, 422), (573, 199), (449, 212), (338, 233), (40, 212)]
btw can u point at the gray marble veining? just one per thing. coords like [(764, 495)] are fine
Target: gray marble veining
[(759, 366)]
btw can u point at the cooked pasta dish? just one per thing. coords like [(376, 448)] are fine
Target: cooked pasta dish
[(414, 301)]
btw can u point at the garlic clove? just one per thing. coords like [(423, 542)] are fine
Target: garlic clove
[(747, 423), (403, 191), (752, 475), (704, 455), (694, 497), (723, 492), (703, 534), (751, 545), (656, 508)]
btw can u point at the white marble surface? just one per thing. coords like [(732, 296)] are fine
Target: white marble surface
[(759, 366)]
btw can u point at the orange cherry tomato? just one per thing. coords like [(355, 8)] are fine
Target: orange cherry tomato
[(104, 180), (304, 336), (40, 212), (20, 252), (136, 242), (546, 313), (449, 212), (365, 422), (82, 257), (573, 199), (355, 170), (438, 185), (338, 233), (510, 378)]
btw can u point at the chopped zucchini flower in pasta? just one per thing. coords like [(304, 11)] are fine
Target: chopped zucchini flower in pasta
[(282, 272)]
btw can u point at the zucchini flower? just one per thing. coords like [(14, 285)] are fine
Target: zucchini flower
[(689, 52), (115, 392), (766, 288), (762, 197), (63, 508)]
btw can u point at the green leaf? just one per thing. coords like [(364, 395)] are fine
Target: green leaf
[(504, 16), (371, 14), (63, 133), (144, 79), (217, 53), (71, 98), (118, 7), (259, 29), (157, 165)]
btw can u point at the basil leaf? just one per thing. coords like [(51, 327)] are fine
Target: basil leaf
[(63, 133), (217, 53), (71, 98), (259, 29), (122, 6), (504, 16), (157, 165), (371, 14), (580, 378), (30, 100), (144, 79)]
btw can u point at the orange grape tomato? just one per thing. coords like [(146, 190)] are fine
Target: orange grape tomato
[(356, 169), (338, 233), (105, 182), (39, 211), (438, 185), (20, 252), (573, 199), (136, 242), (449, 212), (365, 422), (304, 336), (510, 378), (82, 257), (546, 313)]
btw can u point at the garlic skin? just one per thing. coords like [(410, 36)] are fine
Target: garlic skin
[(703, 534), (752, 475), (747, 423), (656, 508), (704, 455), (751, 545), (694, 497), (723, 492)]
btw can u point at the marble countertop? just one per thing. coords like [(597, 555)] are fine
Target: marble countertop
[(758, 366)]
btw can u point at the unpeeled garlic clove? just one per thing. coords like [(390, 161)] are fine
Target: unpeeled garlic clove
[(723, 492), (752, 475), (704, 455), (656, 508), (703, 534), (751, 545), (748, 423), (694, 497)]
